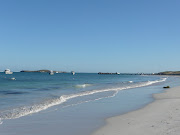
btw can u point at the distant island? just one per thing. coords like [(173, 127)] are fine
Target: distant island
[(43, 71), (169, 73), (109, 73)]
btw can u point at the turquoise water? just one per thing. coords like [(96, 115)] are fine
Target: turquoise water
[(63, 100)]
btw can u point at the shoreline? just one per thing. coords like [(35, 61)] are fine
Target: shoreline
[(57, 120), (162, 116)]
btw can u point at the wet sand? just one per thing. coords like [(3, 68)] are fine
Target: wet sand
[(162, 117)]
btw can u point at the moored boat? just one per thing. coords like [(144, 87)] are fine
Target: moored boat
[(51, 72), (7, 71), (72, 72)]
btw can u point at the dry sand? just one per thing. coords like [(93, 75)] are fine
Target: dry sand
[(162, 117)]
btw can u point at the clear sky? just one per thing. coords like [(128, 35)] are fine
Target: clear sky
[(90, 35)]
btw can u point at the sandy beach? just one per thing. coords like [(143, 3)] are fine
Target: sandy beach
[(162, 117)]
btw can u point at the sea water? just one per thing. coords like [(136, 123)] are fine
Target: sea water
[(54, 103)]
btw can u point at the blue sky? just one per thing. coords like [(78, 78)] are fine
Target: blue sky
[(90, 35)]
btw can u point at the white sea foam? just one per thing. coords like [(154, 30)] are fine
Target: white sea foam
[(130, 81), (114, 94), (1, 121), (13, 78), (26, 110), (83, 85)]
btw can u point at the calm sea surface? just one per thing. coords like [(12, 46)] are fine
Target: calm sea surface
[(78, 99)]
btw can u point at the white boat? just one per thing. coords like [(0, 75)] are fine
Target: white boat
[(51, 72), (117, 73), (7, 71), (72, 72)]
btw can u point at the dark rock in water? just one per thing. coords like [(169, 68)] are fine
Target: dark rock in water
[(166, 87)]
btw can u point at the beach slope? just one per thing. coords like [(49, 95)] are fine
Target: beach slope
[(162, 117)]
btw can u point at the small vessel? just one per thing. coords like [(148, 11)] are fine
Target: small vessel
[(7, 71), (51, 72), (117, 73), (72, 72)]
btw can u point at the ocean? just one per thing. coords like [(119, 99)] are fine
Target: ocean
[(39, 103)]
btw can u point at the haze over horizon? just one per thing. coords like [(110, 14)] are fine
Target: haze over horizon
[(90, 36)]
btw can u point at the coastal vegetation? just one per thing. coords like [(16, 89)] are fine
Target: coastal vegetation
[(169, 73)]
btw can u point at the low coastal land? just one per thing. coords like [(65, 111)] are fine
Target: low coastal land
[(116, 73), (43, 71), (169, 73), (162, 117)]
